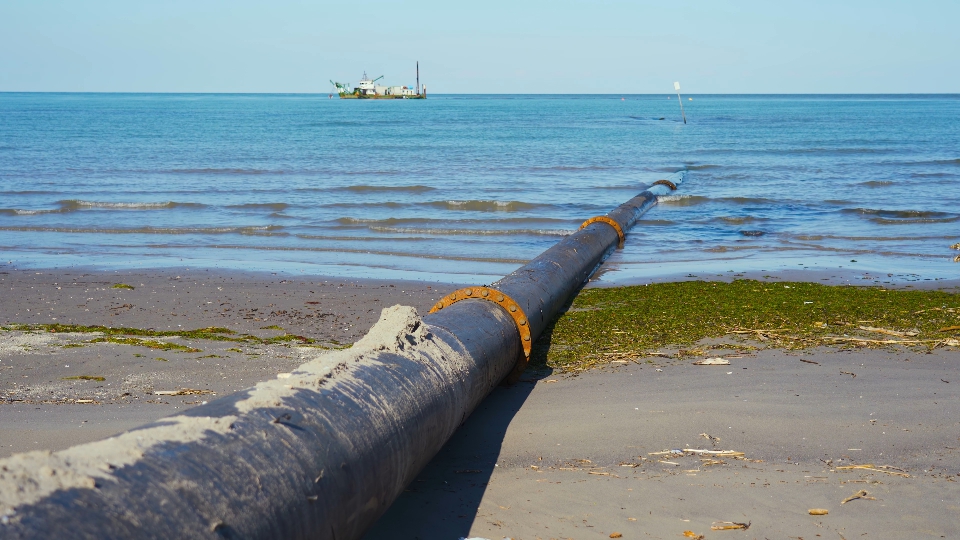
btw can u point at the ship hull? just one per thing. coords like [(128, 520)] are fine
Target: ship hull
[(355, 96)]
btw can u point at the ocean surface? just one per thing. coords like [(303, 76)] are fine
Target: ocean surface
[(465, 189)]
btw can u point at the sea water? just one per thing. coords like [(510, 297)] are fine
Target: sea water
[(465, 189)]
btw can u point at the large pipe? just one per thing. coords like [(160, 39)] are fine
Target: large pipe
[(321, 454)]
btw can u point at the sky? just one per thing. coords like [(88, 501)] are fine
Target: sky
[(494, 46)]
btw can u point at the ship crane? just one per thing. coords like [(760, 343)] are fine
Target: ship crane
[(342, 88)]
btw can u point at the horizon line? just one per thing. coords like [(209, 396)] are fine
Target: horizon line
[(161, 92)]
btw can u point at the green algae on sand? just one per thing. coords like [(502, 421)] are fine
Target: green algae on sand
[(603, 324)]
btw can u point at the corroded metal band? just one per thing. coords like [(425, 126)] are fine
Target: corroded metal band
[(609, 221), (669, 184), (513, 309)]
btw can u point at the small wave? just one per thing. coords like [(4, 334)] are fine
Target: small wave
[(821, 237), (270, 230), (402, 221), (472, 232), (886, 221), (375, 189), (739, 220), (568, 168), (638, 187), (372, 173), (22, 212), (656, 223), (276, 207), (876, 183), (746, 200), (933, 175), (930, 162), (905, 214), (224, 171), (484, 206), (896, 217), (368, 206), (701, 167), (73, 204), (827, 151), (683, 200)]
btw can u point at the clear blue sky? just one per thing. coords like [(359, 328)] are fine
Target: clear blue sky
[(492, 46)]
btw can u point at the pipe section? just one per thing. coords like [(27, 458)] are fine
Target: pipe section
[(319, 455)]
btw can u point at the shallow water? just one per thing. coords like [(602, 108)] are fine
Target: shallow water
[(467, 188)]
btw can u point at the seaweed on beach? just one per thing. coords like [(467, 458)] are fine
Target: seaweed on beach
[(212, 333), (153, 344), (635, 322)]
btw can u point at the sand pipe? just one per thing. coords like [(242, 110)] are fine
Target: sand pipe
[(318, 454)]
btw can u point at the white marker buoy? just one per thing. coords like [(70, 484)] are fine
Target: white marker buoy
[(676, 86)]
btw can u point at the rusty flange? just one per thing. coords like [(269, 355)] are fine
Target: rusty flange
[(609, 221), (669, 184), (512, 308)]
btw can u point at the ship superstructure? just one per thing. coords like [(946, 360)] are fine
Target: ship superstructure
[(368, 88)]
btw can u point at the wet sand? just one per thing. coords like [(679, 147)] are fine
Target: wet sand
[(41, 408), (603, 453)]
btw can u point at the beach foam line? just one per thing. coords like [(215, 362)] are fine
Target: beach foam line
[(75, 204), (22, 212)]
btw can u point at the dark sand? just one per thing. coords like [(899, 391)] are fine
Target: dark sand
[(544, 458), (39, 409)]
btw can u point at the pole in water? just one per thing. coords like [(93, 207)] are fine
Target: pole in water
[(676, 86)]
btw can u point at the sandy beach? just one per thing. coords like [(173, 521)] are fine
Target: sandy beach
[(43, 408), (639, 450), (643, 450)]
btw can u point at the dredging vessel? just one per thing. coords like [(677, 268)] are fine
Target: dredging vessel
[(369, 89)]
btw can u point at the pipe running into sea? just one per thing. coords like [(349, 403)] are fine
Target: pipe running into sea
[(320, 454)]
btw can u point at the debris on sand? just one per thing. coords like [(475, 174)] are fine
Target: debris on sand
[(886, 469), (727, 453), (712, 362), (875, 330), (713, 440), (691, 534), (729, 526), (818, 511), (862, 494), (182, 392)]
